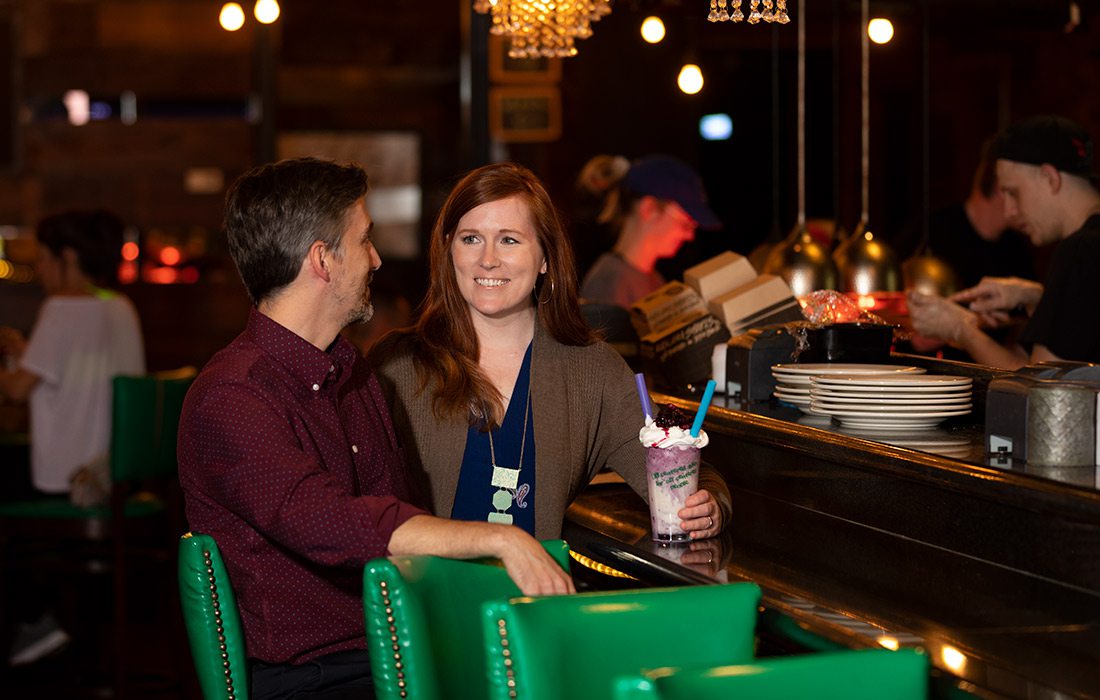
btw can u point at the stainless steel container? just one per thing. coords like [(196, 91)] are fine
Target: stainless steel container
[(1061, 425)]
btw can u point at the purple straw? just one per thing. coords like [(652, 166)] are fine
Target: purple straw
[(643, 395)]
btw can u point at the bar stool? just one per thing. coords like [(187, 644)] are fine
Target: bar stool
[(145, 414), (866, 674), (577, 646), (212, 619), (423, 622)]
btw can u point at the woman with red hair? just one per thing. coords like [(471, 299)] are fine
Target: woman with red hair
[(506, 401)]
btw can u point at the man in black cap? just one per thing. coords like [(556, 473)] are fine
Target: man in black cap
[(655, 208), (1045, 171)]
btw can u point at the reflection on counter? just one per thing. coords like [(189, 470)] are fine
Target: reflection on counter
[(1079, 476), (708, 557), (935, 441)]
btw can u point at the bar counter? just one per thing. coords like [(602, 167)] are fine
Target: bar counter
[(994, 569)]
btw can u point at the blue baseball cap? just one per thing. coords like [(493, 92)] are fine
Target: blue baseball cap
[(665, 177)]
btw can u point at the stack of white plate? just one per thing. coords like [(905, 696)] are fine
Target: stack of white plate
[(899, 402), (793, 380)]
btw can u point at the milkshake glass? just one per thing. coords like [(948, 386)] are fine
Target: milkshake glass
[(672, 470)]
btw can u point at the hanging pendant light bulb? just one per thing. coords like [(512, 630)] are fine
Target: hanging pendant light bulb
[(266, 11), (866, 264), (800, 260), (231, 17)]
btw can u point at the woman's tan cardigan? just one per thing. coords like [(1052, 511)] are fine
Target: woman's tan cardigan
[(586, 415)]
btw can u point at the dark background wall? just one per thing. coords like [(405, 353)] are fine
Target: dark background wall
[(349, 65)]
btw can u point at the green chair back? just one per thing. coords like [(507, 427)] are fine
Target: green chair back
[(423, 619), (867, 674), (577, 646), (213, 623), (145, 418)]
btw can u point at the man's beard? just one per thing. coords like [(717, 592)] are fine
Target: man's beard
[(364, 313)]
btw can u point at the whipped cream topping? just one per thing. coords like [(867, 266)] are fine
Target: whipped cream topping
[(651, 435)]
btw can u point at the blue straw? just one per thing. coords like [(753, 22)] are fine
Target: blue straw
[(704, 404), (643, 394)]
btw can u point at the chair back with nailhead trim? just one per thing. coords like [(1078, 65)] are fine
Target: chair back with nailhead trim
[(577, 646), (213, 622), (864, 674), (424, 627)]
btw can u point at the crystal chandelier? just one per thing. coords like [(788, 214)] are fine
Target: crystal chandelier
[(543, 27), (776, 12)]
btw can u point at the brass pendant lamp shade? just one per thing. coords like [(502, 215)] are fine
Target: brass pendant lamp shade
[(803, 262), (924, 272), (799, 259), (927, 274), (865, 263)]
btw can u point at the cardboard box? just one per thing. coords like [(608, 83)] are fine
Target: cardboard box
[(663, 307), (681, 354), (783, 312), (719, 275), (749, 299)]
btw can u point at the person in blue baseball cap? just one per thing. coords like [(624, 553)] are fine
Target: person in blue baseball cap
[(655, 204)]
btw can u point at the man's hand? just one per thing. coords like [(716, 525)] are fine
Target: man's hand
[(937, 317), (528, 564), (1000, 294)]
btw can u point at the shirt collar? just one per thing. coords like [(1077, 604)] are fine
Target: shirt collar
[(304, 361)]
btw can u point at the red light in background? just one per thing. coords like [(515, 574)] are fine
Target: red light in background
[(161, 275), (130, 251), (127, 272), (170, 255), (189, 275)]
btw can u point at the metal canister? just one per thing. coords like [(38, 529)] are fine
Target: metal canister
[(1061, 425)]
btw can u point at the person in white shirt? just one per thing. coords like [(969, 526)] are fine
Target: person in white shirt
[(85, 335)]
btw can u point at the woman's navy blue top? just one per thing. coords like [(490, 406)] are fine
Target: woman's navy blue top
[(474, 495)]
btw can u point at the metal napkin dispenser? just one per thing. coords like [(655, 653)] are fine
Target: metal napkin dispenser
[(749, 360), (1008, 403)]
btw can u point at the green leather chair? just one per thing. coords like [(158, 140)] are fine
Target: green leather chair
[(145, 412), (867, 674), (423, 619), (212, 620), (577, 646)]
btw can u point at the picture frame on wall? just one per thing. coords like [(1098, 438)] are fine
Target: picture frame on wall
[(503, 69), (525, 114)]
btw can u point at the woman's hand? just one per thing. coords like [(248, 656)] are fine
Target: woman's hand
[(704, 556), (701, 516)]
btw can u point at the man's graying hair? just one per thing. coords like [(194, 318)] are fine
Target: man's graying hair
[(274, 213)]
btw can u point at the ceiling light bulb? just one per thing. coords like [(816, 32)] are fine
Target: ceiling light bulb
[(266, 11), (880, 30), (231, 17), (653, 30), (690, 79)]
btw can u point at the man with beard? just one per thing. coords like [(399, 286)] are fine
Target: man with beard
[(288, 456), (1046, 173)]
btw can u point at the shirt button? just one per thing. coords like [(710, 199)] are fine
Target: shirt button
[(331, 369), (355, 449), (316, 387)]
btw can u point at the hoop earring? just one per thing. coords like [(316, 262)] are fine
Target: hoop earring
[(548, 296)]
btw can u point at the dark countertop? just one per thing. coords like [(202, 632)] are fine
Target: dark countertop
[(995, 570)]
